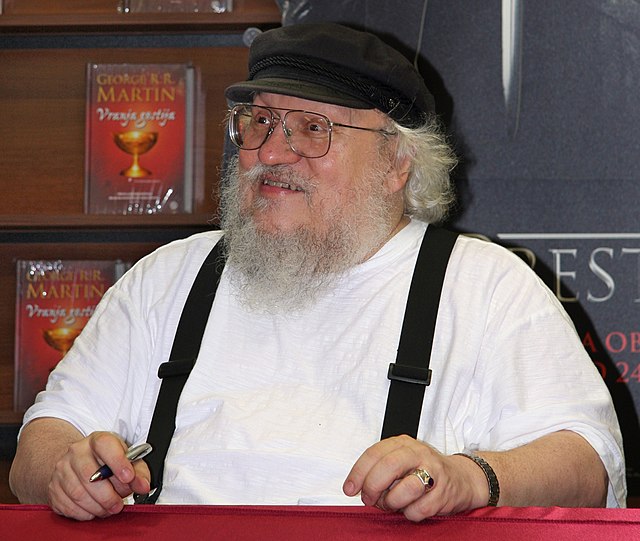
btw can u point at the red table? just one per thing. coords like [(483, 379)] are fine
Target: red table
[(229, 523)]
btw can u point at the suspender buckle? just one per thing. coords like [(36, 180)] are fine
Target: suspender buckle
[(409, 374), (176, 367)]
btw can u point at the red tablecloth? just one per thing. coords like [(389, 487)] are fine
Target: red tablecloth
[(230, 523)]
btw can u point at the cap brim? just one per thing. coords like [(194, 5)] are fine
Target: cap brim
[(244, 92)]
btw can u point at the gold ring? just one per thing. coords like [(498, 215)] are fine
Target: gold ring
[(425, 478)]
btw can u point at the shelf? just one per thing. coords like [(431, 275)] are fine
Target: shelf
[(102, 221), (39, 16), (10, 418), (133, 23)]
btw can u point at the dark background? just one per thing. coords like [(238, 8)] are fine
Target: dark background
[(555, 178)]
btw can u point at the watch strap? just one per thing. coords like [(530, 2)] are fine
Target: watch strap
[(492, 479)]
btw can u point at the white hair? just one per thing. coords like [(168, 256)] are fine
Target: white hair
[(429, 193)]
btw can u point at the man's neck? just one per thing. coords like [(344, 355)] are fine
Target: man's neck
[(400, 225)]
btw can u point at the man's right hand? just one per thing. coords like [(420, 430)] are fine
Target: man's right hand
[(54, 462), (70, 492)]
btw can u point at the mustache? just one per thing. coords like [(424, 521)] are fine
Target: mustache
[(261, 173)]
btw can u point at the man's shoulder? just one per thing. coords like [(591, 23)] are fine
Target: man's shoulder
[(176, 261), (471, 251), (481, 261), (486, 265), (189, 248), (479, 249)]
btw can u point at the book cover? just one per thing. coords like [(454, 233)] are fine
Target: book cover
[(54, 301), (142, 147)]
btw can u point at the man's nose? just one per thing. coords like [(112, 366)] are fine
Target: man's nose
[(276, 149)]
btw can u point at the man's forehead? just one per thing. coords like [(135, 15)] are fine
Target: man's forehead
[(334, 112)]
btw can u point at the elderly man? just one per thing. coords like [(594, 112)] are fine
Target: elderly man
[(340, 170)]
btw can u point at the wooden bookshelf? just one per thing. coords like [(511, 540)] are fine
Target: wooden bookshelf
[(80, 16), (44, 49)]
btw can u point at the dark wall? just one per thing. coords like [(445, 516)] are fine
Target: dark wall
[(551, 170)]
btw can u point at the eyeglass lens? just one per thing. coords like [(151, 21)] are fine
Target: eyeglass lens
[(308, 134)]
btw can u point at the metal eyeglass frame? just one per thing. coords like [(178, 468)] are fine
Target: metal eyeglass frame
[(275, 119)]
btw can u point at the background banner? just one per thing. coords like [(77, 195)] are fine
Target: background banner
[(541, 100)]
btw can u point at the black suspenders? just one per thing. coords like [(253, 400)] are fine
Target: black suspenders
[(174, 372), (409, 375)]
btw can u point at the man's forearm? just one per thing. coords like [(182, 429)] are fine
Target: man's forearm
[(42, 443), (558, 469)]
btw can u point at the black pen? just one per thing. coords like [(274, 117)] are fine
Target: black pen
[(135, 452)]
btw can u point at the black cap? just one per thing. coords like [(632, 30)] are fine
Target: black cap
[(332, 63)]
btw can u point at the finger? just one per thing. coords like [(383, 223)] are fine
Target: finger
[(60, 501), (408, 490), (452, 492), (142, 470), (99, 498), (424, 507), (388, 474), (389, 470), (360, 471), (111, 450), (82, 506), (62, 505), (141, 483), (74, 496)]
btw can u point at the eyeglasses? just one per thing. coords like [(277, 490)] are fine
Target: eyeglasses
[(307, 133)]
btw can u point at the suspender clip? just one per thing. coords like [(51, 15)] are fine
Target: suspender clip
[(409, 374)]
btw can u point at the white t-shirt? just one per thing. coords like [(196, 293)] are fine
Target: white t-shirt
[(278, 408)]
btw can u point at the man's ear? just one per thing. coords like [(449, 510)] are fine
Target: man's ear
[(398, 175)]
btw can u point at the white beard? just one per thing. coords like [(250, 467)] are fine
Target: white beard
[(286, 271)]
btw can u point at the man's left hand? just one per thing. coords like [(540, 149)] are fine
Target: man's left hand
[(385, 475)]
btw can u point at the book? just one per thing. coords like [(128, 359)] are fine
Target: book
[(155, 6), (54, 301), (143, 142)]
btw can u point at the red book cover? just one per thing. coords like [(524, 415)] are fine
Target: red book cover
[(54, 301), (142, 147)]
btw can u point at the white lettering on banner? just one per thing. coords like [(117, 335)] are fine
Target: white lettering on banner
[(559, 274), (591, 273), (593, 266)]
